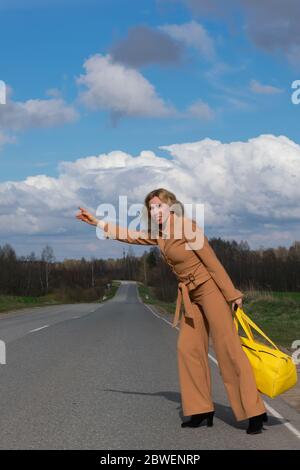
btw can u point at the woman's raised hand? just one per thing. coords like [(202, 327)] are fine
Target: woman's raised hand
[(87, 217)]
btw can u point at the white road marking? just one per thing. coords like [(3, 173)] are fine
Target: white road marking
[(101, 305), (271, 410), (37, 329), (281, 418), (72, 318)]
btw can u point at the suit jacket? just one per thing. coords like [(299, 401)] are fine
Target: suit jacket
[(191, 263)]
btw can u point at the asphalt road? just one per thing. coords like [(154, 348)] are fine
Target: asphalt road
[(104, 376)]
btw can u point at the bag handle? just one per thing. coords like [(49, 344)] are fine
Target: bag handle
[(245, 327), (243, 318)]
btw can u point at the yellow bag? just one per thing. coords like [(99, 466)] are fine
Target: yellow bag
[(275, 371)]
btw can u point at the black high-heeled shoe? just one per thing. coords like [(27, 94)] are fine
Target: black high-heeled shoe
[(197, 419), (256, 423)]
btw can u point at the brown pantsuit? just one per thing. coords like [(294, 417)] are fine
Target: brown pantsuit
[(206, 291), (215, 318)]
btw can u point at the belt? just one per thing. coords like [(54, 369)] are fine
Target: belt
[(183, 291), (183, 295)]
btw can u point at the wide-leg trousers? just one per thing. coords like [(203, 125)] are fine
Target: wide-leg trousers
[(214, 317)]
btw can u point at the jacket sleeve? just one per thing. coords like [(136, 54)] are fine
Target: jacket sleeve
[(214, 266), (122, 234)]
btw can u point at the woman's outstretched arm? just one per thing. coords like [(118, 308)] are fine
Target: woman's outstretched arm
[(137, 237), (115, 231)]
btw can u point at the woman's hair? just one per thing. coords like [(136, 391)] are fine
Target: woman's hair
[(165, 196)]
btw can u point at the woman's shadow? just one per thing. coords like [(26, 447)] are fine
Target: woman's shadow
[(222, 412)]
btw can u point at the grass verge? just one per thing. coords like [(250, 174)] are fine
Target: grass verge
[(14, 302)]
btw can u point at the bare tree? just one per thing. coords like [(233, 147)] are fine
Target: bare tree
[(48, 258)]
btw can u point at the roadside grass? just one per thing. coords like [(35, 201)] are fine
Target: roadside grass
[(111, 292), (13, 302)]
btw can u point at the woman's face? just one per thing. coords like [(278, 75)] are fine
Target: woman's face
[(159, 210)]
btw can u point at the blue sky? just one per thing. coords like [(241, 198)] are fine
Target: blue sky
[(183, 73)]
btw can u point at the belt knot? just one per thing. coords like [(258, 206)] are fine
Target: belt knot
[(183, 295)]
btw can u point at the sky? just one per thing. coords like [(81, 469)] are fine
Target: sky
[(112, 97)]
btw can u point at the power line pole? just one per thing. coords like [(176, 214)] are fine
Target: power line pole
[(145, 270)]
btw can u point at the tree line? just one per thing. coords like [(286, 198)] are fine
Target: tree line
[(275, 269)]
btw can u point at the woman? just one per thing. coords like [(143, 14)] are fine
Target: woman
[(205, 289)]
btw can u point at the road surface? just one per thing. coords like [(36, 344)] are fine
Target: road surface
[(104, 376)]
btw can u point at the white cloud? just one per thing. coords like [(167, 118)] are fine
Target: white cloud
[(33, 113), (192, 34), (119, 89), (272, 25), (257, 87), (16, 116), (243, 179), (201, 110), (246, 187)]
